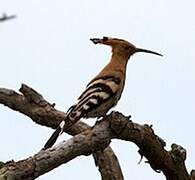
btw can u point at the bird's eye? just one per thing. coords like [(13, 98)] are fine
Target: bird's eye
[(105, 38), (126, 47)]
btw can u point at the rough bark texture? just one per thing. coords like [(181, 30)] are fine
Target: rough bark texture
[(32, 104), (89, 141)]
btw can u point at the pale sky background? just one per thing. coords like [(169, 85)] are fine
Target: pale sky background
[(48, 48)]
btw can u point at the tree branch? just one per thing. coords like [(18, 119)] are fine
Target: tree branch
[(5, 17), (42, 112), (171, 163)]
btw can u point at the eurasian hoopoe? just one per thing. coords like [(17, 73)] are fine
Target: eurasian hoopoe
[(104, 91)]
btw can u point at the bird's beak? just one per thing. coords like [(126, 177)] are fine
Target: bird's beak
[(147, 51)]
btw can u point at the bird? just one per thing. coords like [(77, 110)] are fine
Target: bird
[(104, 90)]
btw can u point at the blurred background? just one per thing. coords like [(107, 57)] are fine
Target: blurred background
[(47, 47)]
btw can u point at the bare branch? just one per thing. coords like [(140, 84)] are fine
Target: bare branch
[(192, 174), (6, 17), (44, 161), (171, 163), (42, 112)]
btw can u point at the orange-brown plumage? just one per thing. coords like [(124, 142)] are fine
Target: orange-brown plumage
[(104, 91)]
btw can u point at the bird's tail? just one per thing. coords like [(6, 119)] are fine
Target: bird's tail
[(51, 141)]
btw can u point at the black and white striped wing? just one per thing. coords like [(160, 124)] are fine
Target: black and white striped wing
[(99, 96), (97, 99)]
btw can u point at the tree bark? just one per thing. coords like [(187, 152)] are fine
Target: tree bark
[(32, 104), (89, 141)]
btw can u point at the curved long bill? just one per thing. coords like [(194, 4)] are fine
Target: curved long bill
[(147, 51)]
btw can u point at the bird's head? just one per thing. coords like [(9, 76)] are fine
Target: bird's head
[(121, 47)]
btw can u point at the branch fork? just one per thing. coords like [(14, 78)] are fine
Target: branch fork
[(89, 141)]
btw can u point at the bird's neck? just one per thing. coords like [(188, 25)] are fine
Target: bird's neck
[(119, 61), (117, 65)]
